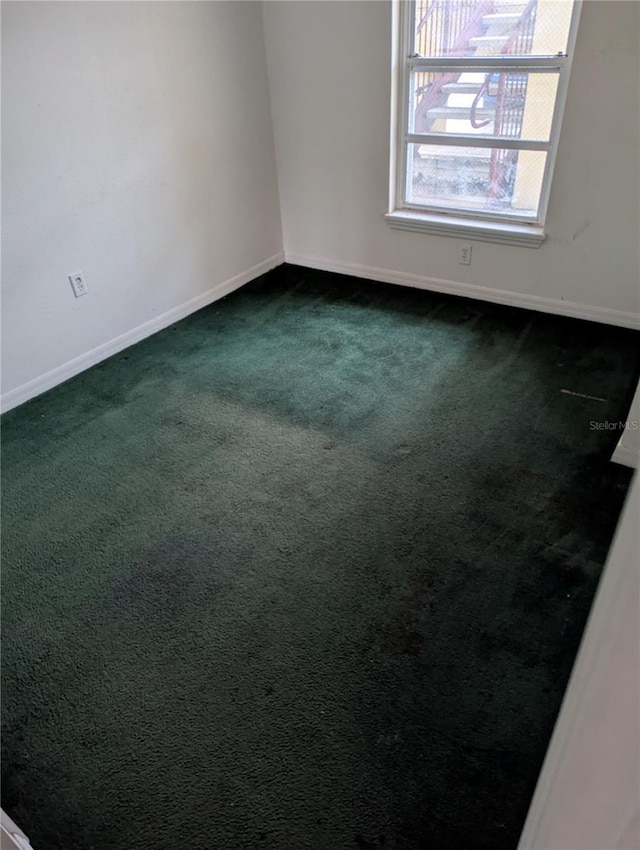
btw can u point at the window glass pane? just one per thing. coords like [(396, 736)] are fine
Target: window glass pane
[(506, 104), (487, 28), (472, 179)]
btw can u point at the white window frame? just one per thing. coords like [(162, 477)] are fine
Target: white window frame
[(488, 227)]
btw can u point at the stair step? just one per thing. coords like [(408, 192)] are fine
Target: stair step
[(493, 43), (462, 88), (478, 163), (444, 173), (442, 164), (461, 113), (454, 155), (501, 18), (508, 8), (450, 165)]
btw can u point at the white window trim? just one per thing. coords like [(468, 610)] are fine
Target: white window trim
[(509, 231)]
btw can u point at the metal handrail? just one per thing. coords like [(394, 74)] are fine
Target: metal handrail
[(461, 43), (513, 36), (428, 14)]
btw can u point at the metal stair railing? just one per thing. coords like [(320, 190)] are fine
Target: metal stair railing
[(447, 29), (527, 17), (444, 25)]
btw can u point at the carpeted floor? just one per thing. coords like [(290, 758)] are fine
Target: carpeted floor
[(307, 570)]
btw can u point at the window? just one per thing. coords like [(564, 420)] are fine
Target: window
[(481, 87)]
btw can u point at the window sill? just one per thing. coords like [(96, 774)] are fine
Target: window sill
[(503, 232)]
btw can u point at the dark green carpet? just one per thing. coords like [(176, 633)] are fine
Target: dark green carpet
[(307, 570)]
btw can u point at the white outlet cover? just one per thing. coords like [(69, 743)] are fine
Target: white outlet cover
[(78, 284), (465, 255)]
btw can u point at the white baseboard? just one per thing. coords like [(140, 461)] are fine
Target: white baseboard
[(62, 373), (481, 293), (626, 456), (73, 367)]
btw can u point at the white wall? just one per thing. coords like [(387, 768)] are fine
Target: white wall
[(11, 836), (137, 147), (588, 794), (329, 71), (627, 451)]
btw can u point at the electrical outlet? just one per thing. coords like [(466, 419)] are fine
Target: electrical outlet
[(465, 255), (78, 284)]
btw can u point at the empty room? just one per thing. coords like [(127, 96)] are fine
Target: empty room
[(319, 425)]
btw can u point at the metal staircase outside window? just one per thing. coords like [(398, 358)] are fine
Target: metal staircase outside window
[(481, 98)]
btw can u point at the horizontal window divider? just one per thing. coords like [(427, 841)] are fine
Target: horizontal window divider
[(499, 63), (459, 140)]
